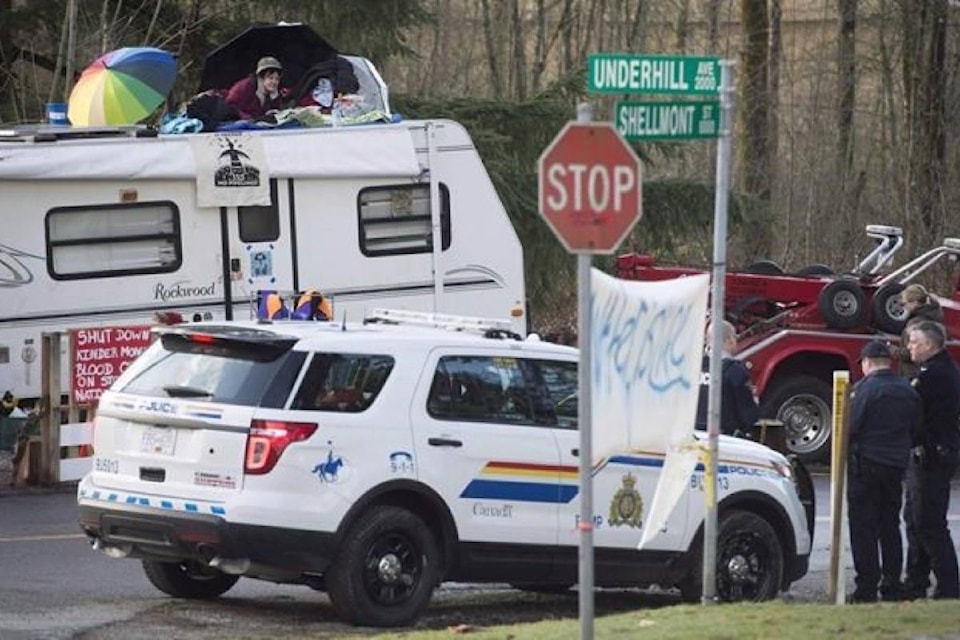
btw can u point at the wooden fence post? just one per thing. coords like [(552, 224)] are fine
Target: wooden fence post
[(50, 420)]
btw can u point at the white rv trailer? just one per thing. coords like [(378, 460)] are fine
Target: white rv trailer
[(105, 227)]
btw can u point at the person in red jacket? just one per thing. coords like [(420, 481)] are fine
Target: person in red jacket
[(256, 95)]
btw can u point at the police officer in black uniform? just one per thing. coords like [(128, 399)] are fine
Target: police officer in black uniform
[(738, 406), (884, 410), (932, 464)]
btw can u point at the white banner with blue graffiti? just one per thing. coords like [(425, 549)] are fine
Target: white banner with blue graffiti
[(646, 354)]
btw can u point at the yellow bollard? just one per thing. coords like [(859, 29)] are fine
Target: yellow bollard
[(836, 581)]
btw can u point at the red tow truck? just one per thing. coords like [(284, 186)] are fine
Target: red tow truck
[(795, 330)]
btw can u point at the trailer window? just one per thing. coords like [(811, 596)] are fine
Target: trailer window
[(396, 219), (102, 241), (259, 223)]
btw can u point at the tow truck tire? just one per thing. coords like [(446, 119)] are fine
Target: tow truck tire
[(188, 579), (843, 304), (749, 561), (803, 404), (386, 571), (765, 268), (816, 270), (888, 312)]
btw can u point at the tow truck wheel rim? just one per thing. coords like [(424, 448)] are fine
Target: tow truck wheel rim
[(895, 308), (805, 418), (846, 304)]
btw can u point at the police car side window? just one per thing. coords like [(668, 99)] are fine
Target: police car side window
[(342, 382), (560, 381), (482, 389)]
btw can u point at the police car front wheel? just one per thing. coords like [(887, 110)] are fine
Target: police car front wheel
[(749, 561), (749, 558)]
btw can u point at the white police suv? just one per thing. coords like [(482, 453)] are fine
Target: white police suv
[(374, 461)]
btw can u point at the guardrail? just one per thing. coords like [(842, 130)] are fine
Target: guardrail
[(75, 458)]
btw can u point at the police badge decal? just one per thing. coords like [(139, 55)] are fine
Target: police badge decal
[(626, 508)]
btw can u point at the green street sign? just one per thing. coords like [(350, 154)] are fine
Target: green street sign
[(628, 73), (667, 120)]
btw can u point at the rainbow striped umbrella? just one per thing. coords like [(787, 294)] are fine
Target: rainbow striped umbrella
[(122, 87)]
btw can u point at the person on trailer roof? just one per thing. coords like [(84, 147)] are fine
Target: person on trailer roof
[(257, 95)]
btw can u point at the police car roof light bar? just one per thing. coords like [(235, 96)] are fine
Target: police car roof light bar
[(437, 320)]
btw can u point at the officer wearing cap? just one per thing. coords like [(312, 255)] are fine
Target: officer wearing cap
[(256, 95), (884, 409), (932, 465)]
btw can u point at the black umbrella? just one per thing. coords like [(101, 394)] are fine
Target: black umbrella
[(296, 46)]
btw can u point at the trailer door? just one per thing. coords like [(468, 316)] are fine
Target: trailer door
[(258, 248)]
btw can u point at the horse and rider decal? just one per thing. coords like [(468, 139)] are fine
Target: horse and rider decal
[(329, 470)]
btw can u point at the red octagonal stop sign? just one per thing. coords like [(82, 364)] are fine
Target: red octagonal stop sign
[(590, 187)]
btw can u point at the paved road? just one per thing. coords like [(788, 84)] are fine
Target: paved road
[(52, 586)]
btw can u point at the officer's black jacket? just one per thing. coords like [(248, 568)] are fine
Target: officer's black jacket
[(738, 408), (938, 383), (884, 412)]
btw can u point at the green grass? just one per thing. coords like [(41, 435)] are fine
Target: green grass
[(776, 620)]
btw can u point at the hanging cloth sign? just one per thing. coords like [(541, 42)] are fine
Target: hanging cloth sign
[(231, 170)]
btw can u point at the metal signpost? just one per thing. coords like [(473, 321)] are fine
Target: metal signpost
[(684, 120), (589, 193), (707, 76), (710, 527), (590, 196)]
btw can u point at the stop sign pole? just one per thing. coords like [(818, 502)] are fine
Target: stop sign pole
[(590, 196)]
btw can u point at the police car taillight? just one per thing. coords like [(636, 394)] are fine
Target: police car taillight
[(268, 439)]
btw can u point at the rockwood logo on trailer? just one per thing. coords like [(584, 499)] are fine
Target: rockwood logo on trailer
[(179, 290)]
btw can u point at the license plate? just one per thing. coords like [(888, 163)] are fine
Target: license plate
[(158, 441)]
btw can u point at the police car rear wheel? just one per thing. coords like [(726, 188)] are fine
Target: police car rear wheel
[(386, 570), (188, 579)]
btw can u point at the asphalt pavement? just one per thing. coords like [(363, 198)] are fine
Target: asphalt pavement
[(56, 588)]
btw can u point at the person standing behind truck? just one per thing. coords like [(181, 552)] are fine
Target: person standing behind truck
[(919, 305), (932, 464), (739, 411), (884, 412)]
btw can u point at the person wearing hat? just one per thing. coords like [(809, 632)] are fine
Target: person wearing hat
[(884, 411), (255, 96), (935, 457)]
